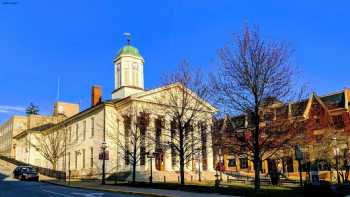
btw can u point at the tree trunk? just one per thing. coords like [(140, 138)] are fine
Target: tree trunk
[(256, 171), (134, 164), (182, 170), (134, 172), (182, 157), (54, 165), (256, 160), (347, 173)]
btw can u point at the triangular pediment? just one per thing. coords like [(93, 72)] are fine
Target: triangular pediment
[(158, 95)]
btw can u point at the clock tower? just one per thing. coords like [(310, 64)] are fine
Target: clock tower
[(128, 69)]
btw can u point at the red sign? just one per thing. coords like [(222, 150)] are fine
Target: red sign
[(220, 167), (103, 155)]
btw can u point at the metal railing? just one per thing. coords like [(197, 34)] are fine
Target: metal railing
[(236, 177)]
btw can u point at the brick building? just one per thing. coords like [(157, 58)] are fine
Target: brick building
[(321, 126)]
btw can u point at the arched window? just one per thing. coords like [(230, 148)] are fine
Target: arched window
[(119, 76)]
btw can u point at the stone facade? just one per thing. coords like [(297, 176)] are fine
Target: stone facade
[(23, 141), (10, 128)]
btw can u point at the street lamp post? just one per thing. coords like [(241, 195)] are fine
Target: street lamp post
[(151, 156), (221, 162), (217, 181), (336, 154), (104, 147)]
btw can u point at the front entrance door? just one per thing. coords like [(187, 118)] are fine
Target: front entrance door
[(160, 160)]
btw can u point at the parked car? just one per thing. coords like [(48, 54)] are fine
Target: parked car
[(26, 173)]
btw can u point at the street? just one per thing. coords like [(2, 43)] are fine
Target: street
[(10, 187)]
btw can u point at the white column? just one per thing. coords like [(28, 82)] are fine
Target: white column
[(198, 145), (150, 144), (209, 148), (122, 139), (116, 76), (152, 141), (190, 145), (130, 82), (167, 153), (122, 75)]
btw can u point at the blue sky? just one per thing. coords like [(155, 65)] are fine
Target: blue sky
[(77, 40)]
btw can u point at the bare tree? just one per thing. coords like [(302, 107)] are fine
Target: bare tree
[(50, 144), (251, 73), (188, 112), (280, 132), (133, 142)]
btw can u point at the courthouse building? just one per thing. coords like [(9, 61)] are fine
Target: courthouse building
[(107, 121)]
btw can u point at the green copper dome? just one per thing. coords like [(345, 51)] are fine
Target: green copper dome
[(129, 50)]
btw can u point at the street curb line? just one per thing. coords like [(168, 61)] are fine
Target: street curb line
[(108, 190)]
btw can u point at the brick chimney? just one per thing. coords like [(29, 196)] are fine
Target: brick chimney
[(96, 95)]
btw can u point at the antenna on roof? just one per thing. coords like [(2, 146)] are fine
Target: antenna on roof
[(128, 37)]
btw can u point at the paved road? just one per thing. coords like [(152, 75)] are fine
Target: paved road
[(10, 187)]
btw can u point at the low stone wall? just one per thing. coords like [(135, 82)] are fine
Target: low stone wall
[(7, 165), (12, 163)]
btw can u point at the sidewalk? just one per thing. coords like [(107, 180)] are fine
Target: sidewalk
[(130, 190)]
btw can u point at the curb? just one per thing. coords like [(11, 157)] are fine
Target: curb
[(107, 190)]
